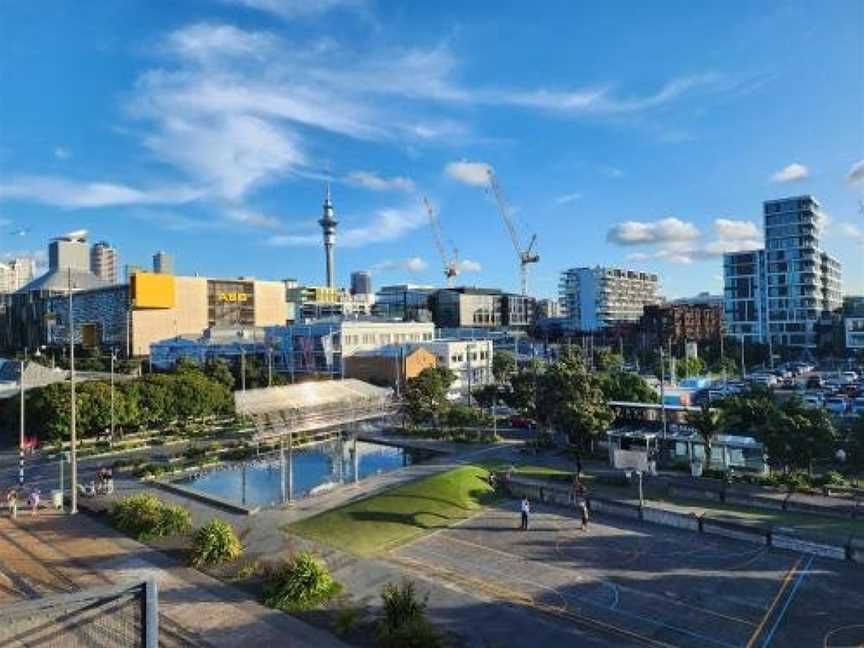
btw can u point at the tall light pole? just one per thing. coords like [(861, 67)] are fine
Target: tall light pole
[(21, 420), (113, 357), (73, 440), (662, 392), (242, 368), (269, 366)]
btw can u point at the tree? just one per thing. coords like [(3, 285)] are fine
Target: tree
[(747, 413), (425, 396), (503, 366), (573, 401), (706, 422), (606, 360), (854, 441), (795, 436), (219, 370), (522, 394), (730, 366), (485, 396), (626, 386)]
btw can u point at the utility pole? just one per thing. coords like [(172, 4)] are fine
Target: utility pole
[(73, 434), (662, 393), (269, 366), (21, 417), (242, 368), (113, 357)]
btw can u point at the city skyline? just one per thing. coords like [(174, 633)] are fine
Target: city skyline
[(209, 131)]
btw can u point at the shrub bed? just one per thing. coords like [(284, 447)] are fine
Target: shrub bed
[(302, 583), (214, 543), (146, 517)]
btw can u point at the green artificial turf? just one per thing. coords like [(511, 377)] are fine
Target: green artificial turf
[(401, 514)]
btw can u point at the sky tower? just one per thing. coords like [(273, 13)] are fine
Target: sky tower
[(328, 227)]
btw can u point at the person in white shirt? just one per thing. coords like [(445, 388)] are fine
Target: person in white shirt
[(526, 509)]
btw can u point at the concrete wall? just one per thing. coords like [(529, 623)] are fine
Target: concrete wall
[(271, 308), (188, 317), (790, 540), (690, 522), (741, 532)]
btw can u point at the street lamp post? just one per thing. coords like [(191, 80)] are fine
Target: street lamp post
[(269, 366), (73, 440), (242, 368), (22, 424), (113, 357)]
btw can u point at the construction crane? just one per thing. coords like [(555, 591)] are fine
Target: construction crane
[(525, 255), (450, 261)]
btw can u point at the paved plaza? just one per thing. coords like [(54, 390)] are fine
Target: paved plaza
[(638, 584)]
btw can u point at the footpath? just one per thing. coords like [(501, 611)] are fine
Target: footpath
[(55, 552)]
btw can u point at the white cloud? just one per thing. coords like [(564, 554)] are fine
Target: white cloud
[(856, 174), (568, 198), (791, 173), (671, 256), (62, 153), (411, 264), (467, 265), (854, 232), (370, 180), (735, 229), (253, 218), (289, 9), (659, 231), (60, 192), (470, 173), (386, 225), (207, 41)]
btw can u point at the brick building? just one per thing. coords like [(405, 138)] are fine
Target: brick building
[(680, 323)]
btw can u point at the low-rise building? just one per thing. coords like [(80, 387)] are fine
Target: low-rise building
[(680, 323), (390, 365), (469, 360), (224, 344), (467, 307)]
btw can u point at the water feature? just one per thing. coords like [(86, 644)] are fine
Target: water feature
[(265, 481)]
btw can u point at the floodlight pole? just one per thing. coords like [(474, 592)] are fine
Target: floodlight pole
[(113, 356), (21, 419), (662, 392), (73, 433)]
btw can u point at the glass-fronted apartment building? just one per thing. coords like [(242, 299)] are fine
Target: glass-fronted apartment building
[(782, 290), (599, 297)]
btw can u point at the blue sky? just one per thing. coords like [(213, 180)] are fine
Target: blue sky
[(637, 134)]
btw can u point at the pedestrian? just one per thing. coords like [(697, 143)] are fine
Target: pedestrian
[(12, 503), (526, 509), (34, 502)]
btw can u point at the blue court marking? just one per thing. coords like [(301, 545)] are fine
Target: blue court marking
[(801, 576)]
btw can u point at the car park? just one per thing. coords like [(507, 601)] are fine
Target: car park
[(836, 405), (814, 382), (812, 401)]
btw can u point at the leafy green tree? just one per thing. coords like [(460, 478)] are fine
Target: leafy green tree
[(626, 386), (485, 396), (503, 366), (219, 370), (747, 413), (727, 363), (606, 360), (522, 394), (425, 396), (706, 422), (854, 441), (795, 436), (573, 402)]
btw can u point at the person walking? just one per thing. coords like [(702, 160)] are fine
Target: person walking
[(12, 503), (526, 509), (35, 496)]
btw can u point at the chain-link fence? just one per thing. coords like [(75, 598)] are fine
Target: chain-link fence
[(118, 616)]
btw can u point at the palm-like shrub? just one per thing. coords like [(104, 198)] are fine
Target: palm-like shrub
[(302, 583), (214, 543), (146, 517), (404, 623)]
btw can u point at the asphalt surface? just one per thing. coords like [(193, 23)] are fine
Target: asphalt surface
[(634, 584)]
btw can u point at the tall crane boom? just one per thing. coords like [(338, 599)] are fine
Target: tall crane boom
[(451, 262), (525, 255)]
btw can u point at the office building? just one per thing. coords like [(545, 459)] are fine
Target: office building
[(361, 283), (16, 273), (547, 308), (130, 317), (783, 290), (406, 302), (517, 311), (853, 322), (597, 298), (104, 262), (163, 263), (467, 307), (319, 347), (69, 251)]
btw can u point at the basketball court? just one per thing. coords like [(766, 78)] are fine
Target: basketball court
[(638, 584)]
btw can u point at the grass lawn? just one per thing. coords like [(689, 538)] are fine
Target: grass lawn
[(394, 517)]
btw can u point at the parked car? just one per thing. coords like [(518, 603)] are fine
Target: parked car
[(848, 377), (814, 382), (767, 379), (812, 401), (836, 405), (522, 422), (857, 407)]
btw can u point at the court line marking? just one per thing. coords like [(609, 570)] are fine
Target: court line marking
[(780, 591), (508, 595), (801, 576), (565, 595), (613, 586), (831, 633)]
